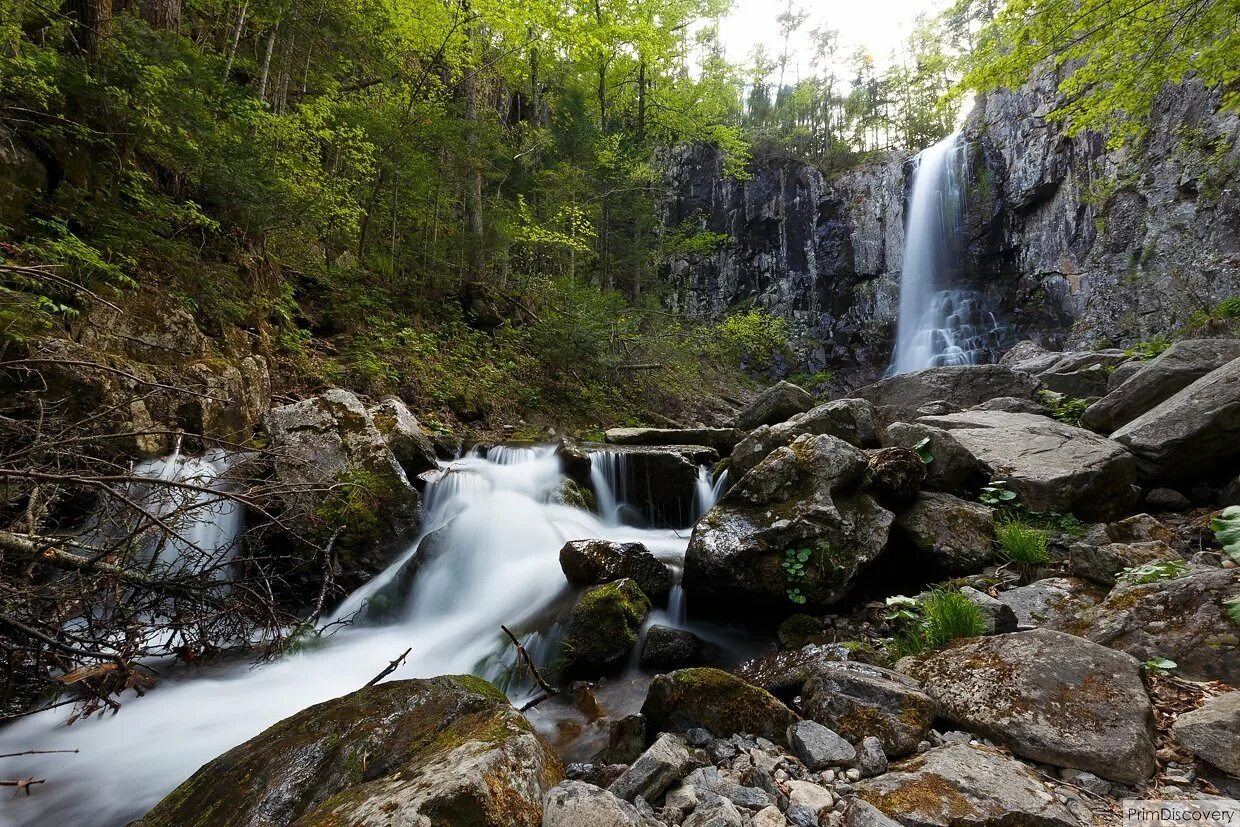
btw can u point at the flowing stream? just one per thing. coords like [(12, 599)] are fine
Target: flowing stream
[(494, 560), (938, 324)]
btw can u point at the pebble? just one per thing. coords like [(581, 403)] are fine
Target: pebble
[(923, 746), (827, 776), (853, 774)]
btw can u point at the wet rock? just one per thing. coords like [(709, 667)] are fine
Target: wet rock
[(722, 440), (778, 403), (604, 623), (898, 398), (952, 467), (802, 496), (1101, 564), (449, 748), (1153, 382), (1189, 435), (1053, 602), (1166, 499), (1051, 466), (716, 701), (626, 740), (669, 648), (404, 436), (1212, 732), (894, 475), (957, 785), (784, 673), (956, 534), (574, 462), (578, 804), (998, 616), (590, 562), (668, 760), (1049, 697), (819, 747), (851, 420), (856, 700)]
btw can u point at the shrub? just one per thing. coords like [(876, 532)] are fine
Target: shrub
[(1022, 544), (1067, 409)]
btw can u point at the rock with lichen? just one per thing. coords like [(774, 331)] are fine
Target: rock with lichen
[(604, 623), (714, 700), (858, 700)]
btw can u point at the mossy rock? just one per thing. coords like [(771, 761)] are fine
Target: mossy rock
[(717, 701), (448, 750), (604, 623)]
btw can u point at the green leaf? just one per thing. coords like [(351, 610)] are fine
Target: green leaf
[(1226, 528), (922, 450)]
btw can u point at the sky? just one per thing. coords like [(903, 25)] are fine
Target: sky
[(879, 25)]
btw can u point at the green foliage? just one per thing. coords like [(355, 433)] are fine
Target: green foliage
[(754, 337), (997, 493), (1226, 528), (1148, 349), (794, 571), (1022, 544), (1160, 666), (1154, 572), (922, 449), (1067, 409), (940, 617), (1233, 610)]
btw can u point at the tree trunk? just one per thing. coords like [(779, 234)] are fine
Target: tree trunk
[(90, 22), (164, 15), (236, 39), (473, 185), (265, 72)]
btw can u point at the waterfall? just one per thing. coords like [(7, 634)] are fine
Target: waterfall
[(938, 324), (496, 560), (706, 493), (609, 477)]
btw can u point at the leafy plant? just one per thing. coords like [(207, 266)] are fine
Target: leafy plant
[(922, 449), (936, 620), (997, 493), (1149, 349), (1022, 544), (1160, 666), (1067, 409), (1226, 528), (1233, 610), (794, 571), (1154, 572)]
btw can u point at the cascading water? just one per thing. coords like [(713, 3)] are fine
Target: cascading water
[(495, 560), (938, 325)]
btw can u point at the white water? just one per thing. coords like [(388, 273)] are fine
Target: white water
[(937, 325), (498, 564)]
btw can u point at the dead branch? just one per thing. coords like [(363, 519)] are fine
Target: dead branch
[(524, 657), (390, 668), (24, 784), (38, 752)]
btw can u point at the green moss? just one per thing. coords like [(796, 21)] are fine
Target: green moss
[(604, 623), (717, 701)]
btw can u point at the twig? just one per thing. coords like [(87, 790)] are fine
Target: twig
[(524, 657), (390, 668), (38, 752), (23, 784)]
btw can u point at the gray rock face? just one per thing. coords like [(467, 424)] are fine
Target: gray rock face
[(857, 700), (668, 760), (784, 673), (590, 562), (578, 804), (715, 701), (960, 784), (1212, 732), (800, 497), (952, 467), (1050, 465), (1101, 563), (898, 398), (1053, 602), (957, 534), (450, 749), (1158, 380), (1081, 374), (778, 403), (997, 615), (668, 648), (1191, 434), (722, 440), (851, 420), (819, 747), (1049, 697), (403, 434)]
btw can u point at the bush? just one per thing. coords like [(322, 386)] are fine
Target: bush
[(1022, 544), (754, 337), (1067, 409)]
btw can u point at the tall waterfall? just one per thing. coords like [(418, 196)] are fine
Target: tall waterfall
[(498, 531), (938, 324)]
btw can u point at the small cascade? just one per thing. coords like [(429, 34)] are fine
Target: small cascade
[(609, 477), (707, 492), (939, 325)]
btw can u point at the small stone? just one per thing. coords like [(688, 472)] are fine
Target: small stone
[(802, 816), (668, 759), (819, 747), (871, 758), (699, 737), (1086, 781), (827, 776), (853, 774), (923, 746), (769, 817), (1166, 499)]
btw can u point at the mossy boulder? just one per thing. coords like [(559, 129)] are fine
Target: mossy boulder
[(604, 623), (716, 701), (957, 535), (589, 562), (859, 700), (448, 750)]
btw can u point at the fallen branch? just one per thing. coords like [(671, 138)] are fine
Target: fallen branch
[(390, 668), (524, 657), (23, 784), (38, 752)]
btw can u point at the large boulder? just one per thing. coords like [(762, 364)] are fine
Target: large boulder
[(1050, 465), (1212, 732), (604, 623), (1193, 433), (1053, 602), (784, 673), (578, 804), (716, 701), (1082, 373), (659, 481), (898, 398), (1049, 697), (858, 700), (851, 420), (1155, 381), (777, 403), (1101, 564), (956, 534), (1184, 619), (722, 440), (403, 434), (961, 785), (952, 467), (448, 750), (591, 562), (801, 497)]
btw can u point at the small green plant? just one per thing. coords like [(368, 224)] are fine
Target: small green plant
[(1067, 409), (1022, 544), (922, 449), (794, 571), (997, 493), (1154, 572), (901, 609), (1226, 528), (1160, 666), (1233, 609), (936, 620), (1149, 349)]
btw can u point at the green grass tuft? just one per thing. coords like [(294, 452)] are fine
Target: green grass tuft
[(1022, 544)]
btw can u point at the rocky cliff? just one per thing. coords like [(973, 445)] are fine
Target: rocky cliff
[(1067, 240)]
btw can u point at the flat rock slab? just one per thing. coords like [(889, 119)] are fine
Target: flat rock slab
[(898, 398), (1049, 697), (1054, 602), (722, 440), (1051, 466), (1212, 732)]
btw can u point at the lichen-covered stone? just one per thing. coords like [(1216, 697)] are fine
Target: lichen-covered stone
[(956, 534), (604, 623), (1212, 731), (851, 420), (778, 403), (717, 701), (898, 398), (857, 700)]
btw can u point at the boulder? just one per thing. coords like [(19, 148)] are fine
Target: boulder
[(958, 535), (716, 701), (1191, 434), (660, 481), (590, 562), (1050, 465), (1153, 382), (448, 750), (997, 615), (898, 398), (851, 420), (857, 700), (861, 813), (894, 475), (777, 403), (1049, 697), (801, 497), (1212, 732), (1184, 619), (1053, 602), (1013, 404), (626, 740), (574, 462), (404, 436), (722, 440), (785, 673), (871, 758), (1166, 499), (578, 804), (604, 623), (1081, 374), (1139, 528), (961, 785), (668, 648), (952, 467), (668, 760), (1102, 563), (819, 747)]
